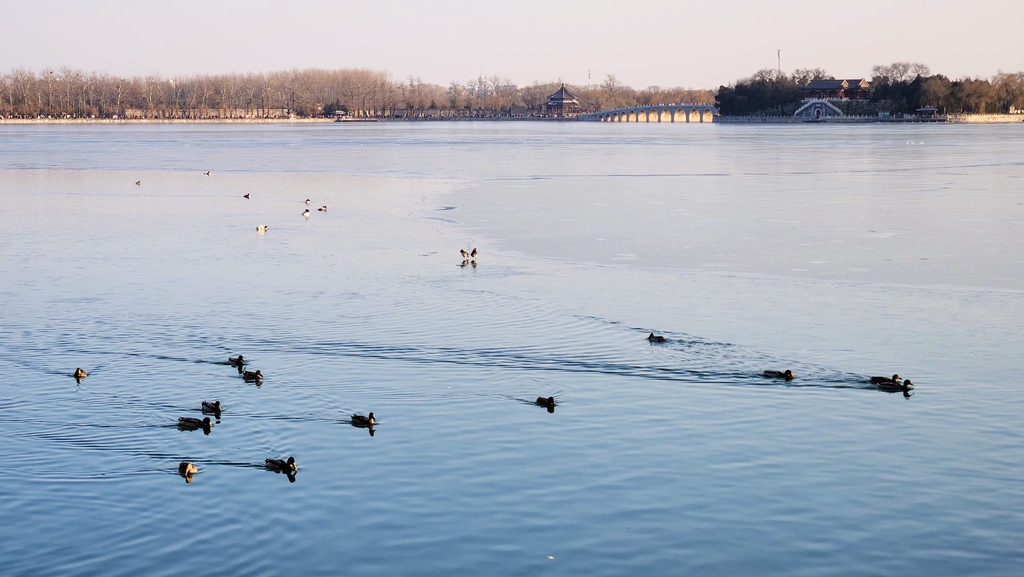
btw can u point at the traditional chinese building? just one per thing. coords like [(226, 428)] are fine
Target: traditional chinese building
[(856, 89), (562, 103)]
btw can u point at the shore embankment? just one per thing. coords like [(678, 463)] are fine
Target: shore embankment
[(165, 120), (952, 118)]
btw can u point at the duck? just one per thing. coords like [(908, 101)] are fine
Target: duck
[(282, 465), (246, 195), (192, 423), (236, 361), (891, 385), (186, 469), (308, 202), (655, 338), (895, 379), (305, 213), (213, 407), (787, 374), (361, 421), (545, 402), (472, 254), (80, 373), (465, 255), (252, 375), (207, 173), (138, 183), (323, 208), (261, 228)]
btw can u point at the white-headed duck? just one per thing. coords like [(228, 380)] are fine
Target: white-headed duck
[(787, 374), (282, 465), (261, 228)]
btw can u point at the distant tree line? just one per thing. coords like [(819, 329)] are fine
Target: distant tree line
[(901, 87), (71, 93)]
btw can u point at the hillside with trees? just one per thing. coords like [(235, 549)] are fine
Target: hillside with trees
[(898, 88)]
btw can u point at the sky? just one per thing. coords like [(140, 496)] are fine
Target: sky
[(642, 43)]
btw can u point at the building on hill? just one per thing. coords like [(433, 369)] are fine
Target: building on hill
[(855, 89), (562, 103)]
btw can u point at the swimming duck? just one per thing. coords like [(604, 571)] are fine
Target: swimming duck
[(213, 407), (262, 228), (323, 208), (896, 386), (305, 213), (308, 202), (192, 423), (545, 402), (465, 255), (787, 374), (246, 195), (186, 469), (252, 375), (886, 380), (207, 173), (473, 254), (80, 373), (236, 361), (361, 421), (138, 183), (282, 465), (655, 338)]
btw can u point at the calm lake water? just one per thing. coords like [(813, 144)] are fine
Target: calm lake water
[(839, 252)]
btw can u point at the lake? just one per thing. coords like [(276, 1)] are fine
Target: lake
[(840, 252)]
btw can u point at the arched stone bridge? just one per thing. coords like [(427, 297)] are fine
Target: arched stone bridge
[(678, 113)]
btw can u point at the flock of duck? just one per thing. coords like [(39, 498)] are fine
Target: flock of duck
[(894, 383), (468, 257), (262, 228), (287, 466)]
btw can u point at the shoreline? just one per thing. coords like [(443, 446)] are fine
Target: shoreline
[(950, 119)]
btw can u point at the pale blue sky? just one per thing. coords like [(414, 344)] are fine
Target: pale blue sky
[(642, 42)]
